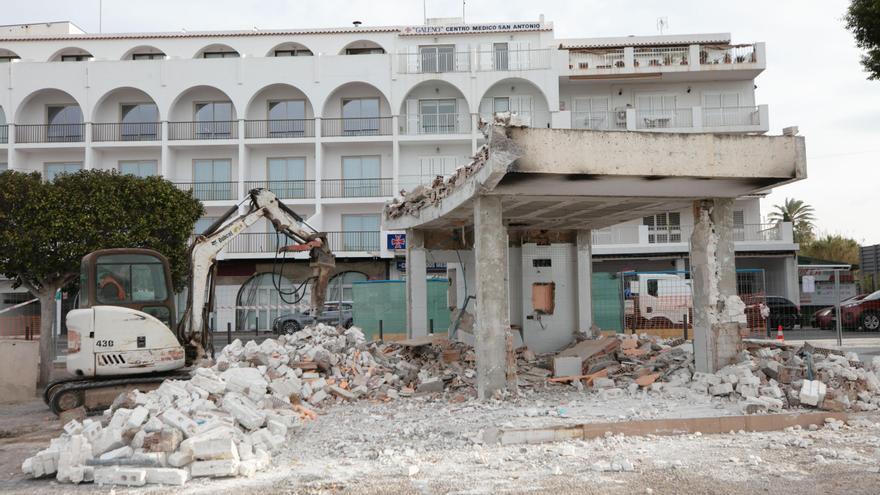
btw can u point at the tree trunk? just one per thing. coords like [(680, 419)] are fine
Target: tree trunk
[(47, 320)]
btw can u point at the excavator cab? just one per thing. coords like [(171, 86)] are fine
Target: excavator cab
[(132, 278)]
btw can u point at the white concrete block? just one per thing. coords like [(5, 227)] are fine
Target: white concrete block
[(706, 378), (137, 417), (243, 410), (721, 389), (213, 385), (153, 424), (277, 428), (177, 419), (124, 476), (226, 467), (245, 381), (73, 455), (179, 459), (120, 453), (109, 439), (166, 476), (120, 417), (214, 448)]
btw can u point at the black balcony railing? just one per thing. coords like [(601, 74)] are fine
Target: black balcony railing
[(50, 133), (211, 191), (127, 131), (215, 129), (259, 242), (285, 189), (4, 134), (356, 188), (353, 241), (276, 129), (372, 126)]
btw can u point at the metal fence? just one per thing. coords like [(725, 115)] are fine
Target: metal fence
[(611, 120), (368, 126), (279, 128), (664, 118), (285, 189), (50, 133), (137, 131), (211, 191), (730, 116), (215, 129), (659, 56), (826, 291), (661, 302), (356, 188)]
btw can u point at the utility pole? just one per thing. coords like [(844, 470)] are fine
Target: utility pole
[(425, 12)]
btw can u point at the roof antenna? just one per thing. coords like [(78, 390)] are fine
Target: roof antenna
[(100, 16), (662, 24), (357, 23)]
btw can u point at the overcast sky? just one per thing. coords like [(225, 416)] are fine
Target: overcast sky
[(813, 78)]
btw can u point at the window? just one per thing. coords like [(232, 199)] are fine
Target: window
[(658, 111), (214, 120), (8, 58), (724, 109), (438, 116), (213, 179), (360, 176), (360, 232), (293, 53), (140, 168), (287, 118), (437, 58), (500, 104), (4, 166), (76, 58), (287, 177), (364, 51), (502, 56), (147, 56), (65, 123), (223, 54), (653, 286), (140, 121), (130, 278), (361, 116), (203, 223), (594, 113), (663, 227), (739, 226), (55, 169)]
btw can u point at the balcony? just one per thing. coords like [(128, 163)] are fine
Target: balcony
[(50, 133), (285, 189), (142, 131), (211, 191), (279, 129), (208, 130), (354, 127), (484, 61), (753, 119), (356, 188), (260, 242), (633, 60), (440, 123), (434, 63), (643, 238), (353, 241)]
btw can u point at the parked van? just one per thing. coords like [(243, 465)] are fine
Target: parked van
[(658, 298)]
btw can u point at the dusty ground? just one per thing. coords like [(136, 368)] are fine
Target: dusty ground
[(425, 446)]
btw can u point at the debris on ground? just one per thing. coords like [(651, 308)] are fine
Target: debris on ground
[(766, 376), (236, 412)]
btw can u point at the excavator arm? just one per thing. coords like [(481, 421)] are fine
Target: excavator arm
[(192, 329)]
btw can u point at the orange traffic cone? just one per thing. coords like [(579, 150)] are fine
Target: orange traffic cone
[(779, 336)]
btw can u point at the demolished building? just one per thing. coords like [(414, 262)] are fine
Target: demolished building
[(514, 228)]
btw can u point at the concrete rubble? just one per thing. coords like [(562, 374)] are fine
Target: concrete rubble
[(766, 376), (236, 412)]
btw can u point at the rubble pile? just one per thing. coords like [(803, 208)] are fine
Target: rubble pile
[(766, 376), (231, 416)]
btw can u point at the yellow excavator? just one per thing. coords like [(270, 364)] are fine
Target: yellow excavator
[(120, 337)]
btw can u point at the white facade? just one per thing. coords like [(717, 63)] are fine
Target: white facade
[(223, 112)]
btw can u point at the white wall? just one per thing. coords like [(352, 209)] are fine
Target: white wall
[(333, 154), (257, 167)]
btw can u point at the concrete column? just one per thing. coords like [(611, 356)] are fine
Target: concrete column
[(165, 153), (395, 154), (416, 284), (719, 314), (319, 164), (585, 280), (791, 274), (243, 165), (492, 315)]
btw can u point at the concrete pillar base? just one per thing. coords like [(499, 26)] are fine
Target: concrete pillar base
[(719, 313), (492, 315), (416, 284)]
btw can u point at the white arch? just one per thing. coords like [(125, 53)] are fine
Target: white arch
[(170, 112), (70, 50), (249, 109), (143, 49), (363, 43), (23, 104), (215, 47), (289, 45), (103, 98), (383, 96)]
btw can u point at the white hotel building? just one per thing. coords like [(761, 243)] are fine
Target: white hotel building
[(335, 121)]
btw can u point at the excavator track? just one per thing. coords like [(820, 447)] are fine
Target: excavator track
[(63, 395)]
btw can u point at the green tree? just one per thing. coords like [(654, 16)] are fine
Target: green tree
[(47, 227), (833, 248), (863, 20), (799, 214)]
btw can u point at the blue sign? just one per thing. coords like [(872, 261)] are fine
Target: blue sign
[(396, 242)]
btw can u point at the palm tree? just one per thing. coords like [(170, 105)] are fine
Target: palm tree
[(799, 214)]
